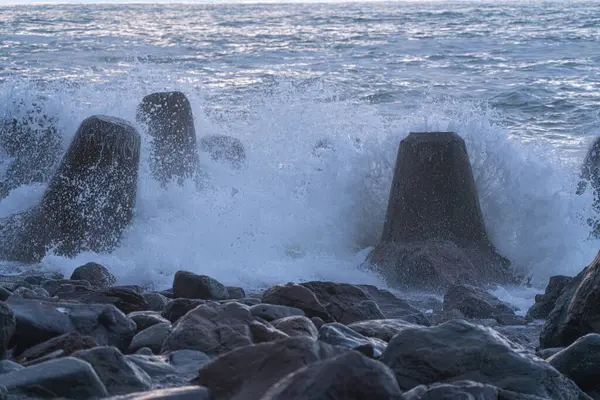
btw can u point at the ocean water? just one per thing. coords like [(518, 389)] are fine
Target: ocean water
[(519, 81)]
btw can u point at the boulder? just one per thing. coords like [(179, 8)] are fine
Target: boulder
[(296, 326), (146, 319), (192, 286), (264, 332), (152, 337), (341, 335), (235, 292), (384, 329), (224, 148), (157, 368), (94, 273), (67, 343), (8, 325), (38, 321), (455, 390), (577, 309), (442, 241), (170, 123), (346, 376), (187, 362), (7, 366), (458, 350), (90, 199), (125, 299), (296, 296), (156, 301), (177, 308), (213, 330), (581, 363), (474, 302), (271, 312), (53, 286), (393, 307), (545, 303), (118, 375), (181, 393), (66, 377), (248, 372), (4, 293)]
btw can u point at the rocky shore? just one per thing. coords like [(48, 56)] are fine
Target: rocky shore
[(84, 337)]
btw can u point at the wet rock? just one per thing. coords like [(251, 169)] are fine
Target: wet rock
[(94, 273), (384, 329), (155, 366), (296, 326), (235, 292), (345, 303), (474, 302), (68, 344), (249, 301), (118, 375), (188, 362), (224, 148), (182, 393), (7, 366), (146, 319), (191, 286), (265, 333), (4, 293), (66, 377), (393, 307), (170, 122), (53, 286), (318, 322), (38, 321), (90, 199), (213, 330), (577, 309), (455, 390), (125, 299), (347, 376), (547, 353), (443, 241), (545, 303), (156, 301), (341, 335), (296, 296), (8, 325), (271, 312), (177, 308), (460, 350), (152, 337), (581, 363), (248, 372)]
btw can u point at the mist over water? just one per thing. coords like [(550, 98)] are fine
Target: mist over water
[(296, 213)]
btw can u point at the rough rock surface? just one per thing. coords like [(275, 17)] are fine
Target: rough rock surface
[(297, 296), (95, 274), (192, 286)]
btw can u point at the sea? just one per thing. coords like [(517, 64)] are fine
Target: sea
[(518, 80)]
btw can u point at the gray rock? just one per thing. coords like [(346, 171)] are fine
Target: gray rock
[(235, 292), (67, 343), (458, 350), (545, 303), (191, 286), (144, 351), (581, 362), (188, 362), (474, 302), (264, 332), (347, 376), (455, 390), (124, 298), (7, 366), (65, 377), (547, 353), (213, 330), (177, 308), (152, 337), (318, 322), (296, 326), (41, 292), (161, 372), (4, 293), (156, 301), (95, 274), (271, 312), (53, 286), (118, 375), (341, 335), (145, 319), (248, 372), (384, 329), (296, 296), (393, 307), (576, 309), (8, 325), (182, 393), (38, 321), (343, 301)]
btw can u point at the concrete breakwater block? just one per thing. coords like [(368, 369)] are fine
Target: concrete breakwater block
[(169, 121), (88, 202), (434, 234)]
